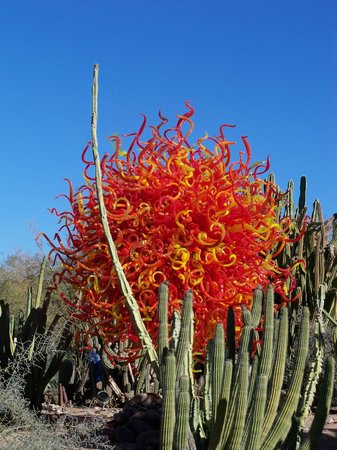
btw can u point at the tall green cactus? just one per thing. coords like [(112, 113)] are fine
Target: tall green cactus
[(241, 407), (185, 343), (181, 430), (282, 424), (277, 375), (323, 406), (169, 403), (254, 429), (163, 341), (218, 360)]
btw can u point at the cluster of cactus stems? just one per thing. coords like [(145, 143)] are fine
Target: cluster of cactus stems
[(30, 348), (239, 406)]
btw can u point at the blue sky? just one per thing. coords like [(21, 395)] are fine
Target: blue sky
[(267, 66)]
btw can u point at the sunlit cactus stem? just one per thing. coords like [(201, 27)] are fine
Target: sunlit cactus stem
[(163, 341), (217, 434), (282, 423), (184, 347), (40, 282), (131, 303), (218, 362), (277, 374), (323, 407), (239, 403), (169, 402), (182, 427), (256, 310), (259, 403), (268, 332)]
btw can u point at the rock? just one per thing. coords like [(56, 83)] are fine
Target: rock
[(151, 416), (124, 434), (150, 438), (139, 426)]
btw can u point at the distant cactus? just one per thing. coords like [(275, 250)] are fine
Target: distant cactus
[(32, 348)]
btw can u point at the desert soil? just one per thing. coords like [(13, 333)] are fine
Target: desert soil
[(327, 440)]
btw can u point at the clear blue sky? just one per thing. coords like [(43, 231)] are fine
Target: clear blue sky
[(268, 66)]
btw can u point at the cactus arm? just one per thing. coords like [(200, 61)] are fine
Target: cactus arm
[(182, 427), (282, 423), (163, 342), (29, 302), (184, 346), (175, 331), (277, 375), (289, 207), (268, 332), (231, 425), (218, 367), (230, 335), (40, 282), (217, 433), (142, 375), (315, 369), (247, 333), (332, 320), (5, 344), (323, 406), (131, 303), (11, 333), (253, 377), (259, 403), (169, 396), (240, 407), (302, 198), (257, 307), (208, 384)]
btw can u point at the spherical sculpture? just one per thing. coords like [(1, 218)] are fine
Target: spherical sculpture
[(178, 212)]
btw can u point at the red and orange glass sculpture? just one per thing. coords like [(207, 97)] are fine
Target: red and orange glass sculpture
[(182, 213)]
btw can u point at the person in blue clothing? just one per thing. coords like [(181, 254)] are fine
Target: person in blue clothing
[(96, 368)]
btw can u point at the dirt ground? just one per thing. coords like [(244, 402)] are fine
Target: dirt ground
[(327, 440), (100, 416)]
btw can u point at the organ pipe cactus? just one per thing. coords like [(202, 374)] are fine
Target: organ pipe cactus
[(323, 406), (240, 407), (181, 431), (169, 402)]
